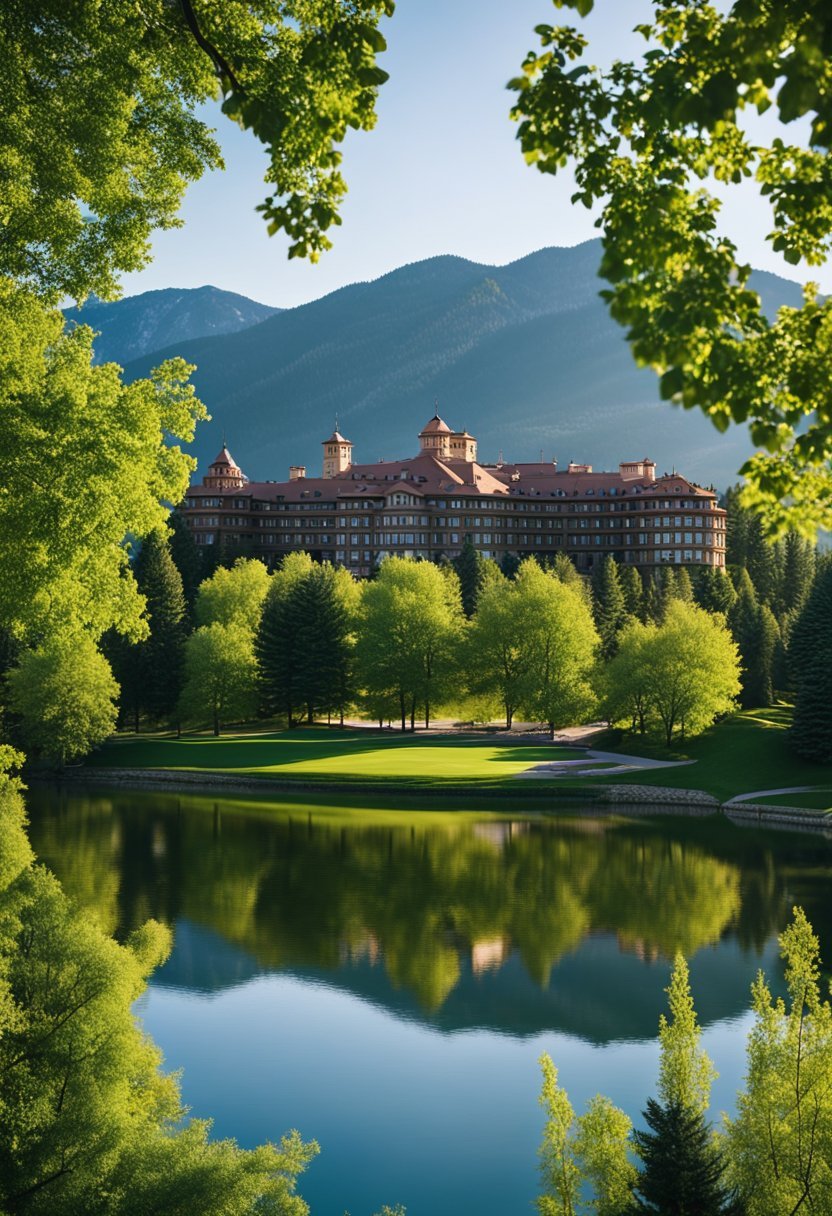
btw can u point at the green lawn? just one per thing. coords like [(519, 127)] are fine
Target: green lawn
[(315, 754), (747, 752), (813, 800)]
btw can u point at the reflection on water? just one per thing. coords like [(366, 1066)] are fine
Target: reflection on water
[(519, 925), (385, 981)]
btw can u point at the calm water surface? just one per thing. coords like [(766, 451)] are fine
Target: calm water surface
[(385, 981)]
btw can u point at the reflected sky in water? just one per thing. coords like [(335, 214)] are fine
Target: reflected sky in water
[(386, 982)]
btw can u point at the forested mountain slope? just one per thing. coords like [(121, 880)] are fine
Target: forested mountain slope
[(524, 356)]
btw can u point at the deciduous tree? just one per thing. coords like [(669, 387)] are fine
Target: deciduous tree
[(65, 696), (220, 683), (86, 184), (780, 1141), (89, 466), (563, 645), (408, 636), (90, 1122), (651, 142), (234, 596)]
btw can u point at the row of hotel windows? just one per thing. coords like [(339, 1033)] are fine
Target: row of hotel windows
[(461, 504), (689, 522), (480, 539)]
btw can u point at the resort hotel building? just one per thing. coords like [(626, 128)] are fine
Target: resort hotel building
[(354, 515)]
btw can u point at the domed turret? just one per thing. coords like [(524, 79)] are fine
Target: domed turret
[(435, 437), (224, 473)]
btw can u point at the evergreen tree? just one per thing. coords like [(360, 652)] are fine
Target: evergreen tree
[(713, 590), (325, 683), (763, 563), (565, 571), (160, 657), (633, 588), (681, 1169), (509, 565), (736, 529), (684, 586), (187, 559), (755, 631), (651, 603), (609, 606), (469, 568), (123, 655), (810, 659), (280, 656), (666, 589), (798, 573)]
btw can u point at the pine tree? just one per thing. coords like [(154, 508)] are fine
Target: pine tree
[(810, 659), (509, 564), (325, 683), (633, 589), (666, 589), (798, 572), (468, 566), (763, 563), (651, 604), (713, 590), (684, 587), (736, 529), (186, 557), (280, 657), (682, 1170), (160, 658), (565, 570), (755, 631), (609, 606)]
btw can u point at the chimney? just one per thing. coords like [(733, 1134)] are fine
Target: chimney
[(297, 471)]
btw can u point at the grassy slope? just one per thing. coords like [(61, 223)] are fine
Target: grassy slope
[(812, 800), (325, 755), (747, 752)]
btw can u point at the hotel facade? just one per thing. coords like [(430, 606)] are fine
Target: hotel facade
[(354, 515)]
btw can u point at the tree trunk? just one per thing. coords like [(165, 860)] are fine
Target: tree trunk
[(509, 717), (136, 717), (216, 723), (413, 716), (404, 712), (552, 731), (427, 715)]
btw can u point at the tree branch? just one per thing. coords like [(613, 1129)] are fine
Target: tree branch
[(221, 64)]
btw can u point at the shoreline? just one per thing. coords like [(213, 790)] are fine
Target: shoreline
[(628, 800)]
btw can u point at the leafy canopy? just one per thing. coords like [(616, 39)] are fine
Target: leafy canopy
[(87, 463), (653, 142), (103, 126)]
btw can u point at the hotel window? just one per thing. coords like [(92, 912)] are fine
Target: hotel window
[(454, 538)]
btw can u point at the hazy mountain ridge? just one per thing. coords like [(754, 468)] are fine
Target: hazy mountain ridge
[(139, 325), (525, 356)]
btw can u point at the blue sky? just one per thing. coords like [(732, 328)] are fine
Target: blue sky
[(441, 173)]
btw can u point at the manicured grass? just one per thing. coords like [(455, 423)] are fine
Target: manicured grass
[(312, 754), (812, 800), (747, 752)]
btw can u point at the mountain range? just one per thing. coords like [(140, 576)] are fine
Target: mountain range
[(525, 356), (128, 329)]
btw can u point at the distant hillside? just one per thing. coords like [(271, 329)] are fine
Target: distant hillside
[(524, 356), (138, 325)]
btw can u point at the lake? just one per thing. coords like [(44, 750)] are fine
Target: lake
[(386, 980)]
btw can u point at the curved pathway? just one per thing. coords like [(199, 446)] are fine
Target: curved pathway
[(757, 794), (615, 764)]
